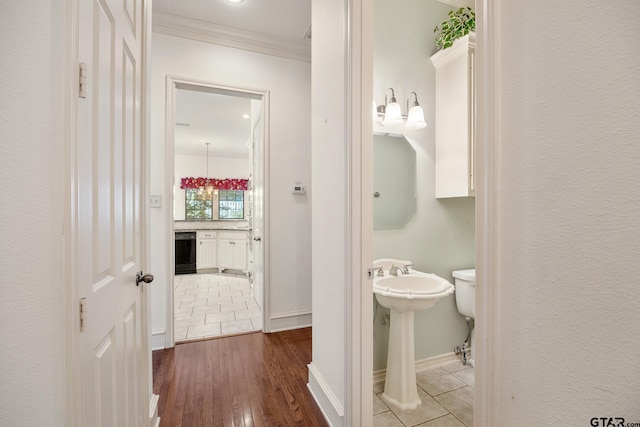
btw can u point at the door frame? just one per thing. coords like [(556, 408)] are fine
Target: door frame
[(71, 297), (359, 45), (173, 83), (487, 211)]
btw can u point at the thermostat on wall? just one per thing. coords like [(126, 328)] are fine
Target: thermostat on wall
[(298, 188)]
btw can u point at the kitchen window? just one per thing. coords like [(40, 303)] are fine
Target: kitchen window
[(231, 204), (198, 205)]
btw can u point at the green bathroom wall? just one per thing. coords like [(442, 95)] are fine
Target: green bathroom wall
[(440, 236)]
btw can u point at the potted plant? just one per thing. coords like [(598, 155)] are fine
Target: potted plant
[(459, 24)]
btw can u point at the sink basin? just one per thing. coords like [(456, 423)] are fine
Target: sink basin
[(403, 295), (411, 292)]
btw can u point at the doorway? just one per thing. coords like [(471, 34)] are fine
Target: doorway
[(214, 157)]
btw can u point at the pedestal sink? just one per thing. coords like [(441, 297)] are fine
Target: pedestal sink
[(403, 295)]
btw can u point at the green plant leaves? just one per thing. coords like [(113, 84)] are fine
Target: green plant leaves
[(459, 24)]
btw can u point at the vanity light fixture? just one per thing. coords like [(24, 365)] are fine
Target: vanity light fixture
[(235, 1), (392, 115)]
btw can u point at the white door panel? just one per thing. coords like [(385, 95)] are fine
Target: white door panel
[(257, 231), (108, 222)]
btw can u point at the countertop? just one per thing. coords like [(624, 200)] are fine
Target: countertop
[(211, 229), (216, 225)]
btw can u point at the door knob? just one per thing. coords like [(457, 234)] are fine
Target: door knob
[(147, 278), (257, 239)]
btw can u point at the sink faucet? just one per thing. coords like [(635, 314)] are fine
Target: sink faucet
[(393, 271)]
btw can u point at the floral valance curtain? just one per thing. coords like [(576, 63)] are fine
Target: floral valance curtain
[(218, 184)]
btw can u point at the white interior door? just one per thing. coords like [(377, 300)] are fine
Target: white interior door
[(257, 230), (108, 220)]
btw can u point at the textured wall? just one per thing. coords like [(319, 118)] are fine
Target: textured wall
[(32, 350), (570, 209)]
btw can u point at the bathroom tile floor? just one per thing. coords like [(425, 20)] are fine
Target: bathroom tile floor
[(214, 304), (447, 394)]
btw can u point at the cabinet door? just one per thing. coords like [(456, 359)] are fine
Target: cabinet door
[(239, 251), (206, 250), (225, 253), (206, 254), (455, 119)]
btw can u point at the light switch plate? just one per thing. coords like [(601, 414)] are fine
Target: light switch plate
[(155, 201)]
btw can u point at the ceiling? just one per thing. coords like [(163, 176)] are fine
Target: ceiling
[(287, 19), (203, 117), (218, 118)]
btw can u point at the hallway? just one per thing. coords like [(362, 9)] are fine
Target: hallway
[(246, 380)]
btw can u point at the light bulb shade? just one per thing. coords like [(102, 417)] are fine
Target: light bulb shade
[(415, 119), (392, 114)]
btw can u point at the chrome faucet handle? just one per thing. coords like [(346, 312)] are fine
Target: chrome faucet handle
[(405, 268), (394, 270), (379, 272)]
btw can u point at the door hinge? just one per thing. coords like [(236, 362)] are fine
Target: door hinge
[(83, 314), (82, 93)]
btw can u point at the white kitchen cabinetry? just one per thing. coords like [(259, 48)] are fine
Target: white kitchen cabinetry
[(455, 118), (206, 250), (232, 250)]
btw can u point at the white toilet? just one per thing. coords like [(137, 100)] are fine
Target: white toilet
[(465, 284)]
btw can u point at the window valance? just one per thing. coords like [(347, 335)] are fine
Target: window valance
[(218, 184)]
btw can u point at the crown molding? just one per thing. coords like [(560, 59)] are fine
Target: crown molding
[(463, 45), (459, 3), (194, 29)]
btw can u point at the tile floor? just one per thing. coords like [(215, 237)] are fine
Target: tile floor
[(446, 392), (214, 304)]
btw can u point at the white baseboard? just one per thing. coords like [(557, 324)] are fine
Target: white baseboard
[(325, 398), (154, 419), (158, 337), (292, 320), (422, 365)]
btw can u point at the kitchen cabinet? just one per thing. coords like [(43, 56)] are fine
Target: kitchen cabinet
[(232, 250), (455, 118), (206, 250)]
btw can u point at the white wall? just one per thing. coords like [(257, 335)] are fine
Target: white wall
[(440, 237), (329, 216), (570, 212), (32, 352), (290, 216)]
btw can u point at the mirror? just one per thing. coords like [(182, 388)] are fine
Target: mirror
[(394, 182)]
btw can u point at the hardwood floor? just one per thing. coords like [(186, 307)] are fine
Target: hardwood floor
[(241, 381)]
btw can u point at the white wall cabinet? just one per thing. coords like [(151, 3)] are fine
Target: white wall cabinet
[(232, 250), (206, 250), (455, 118)]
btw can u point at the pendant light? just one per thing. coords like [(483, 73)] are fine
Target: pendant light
[(208, 188)]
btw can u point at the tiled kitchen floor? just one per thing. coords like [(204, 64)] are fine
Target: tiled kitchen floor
[(446, 392), (213, 304)]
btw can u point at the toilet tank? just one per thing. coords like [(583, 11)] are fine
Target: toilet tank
[(465, 283)]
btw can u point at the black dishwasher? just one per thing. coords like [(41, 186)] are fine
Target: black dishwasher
[(185, 252)]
